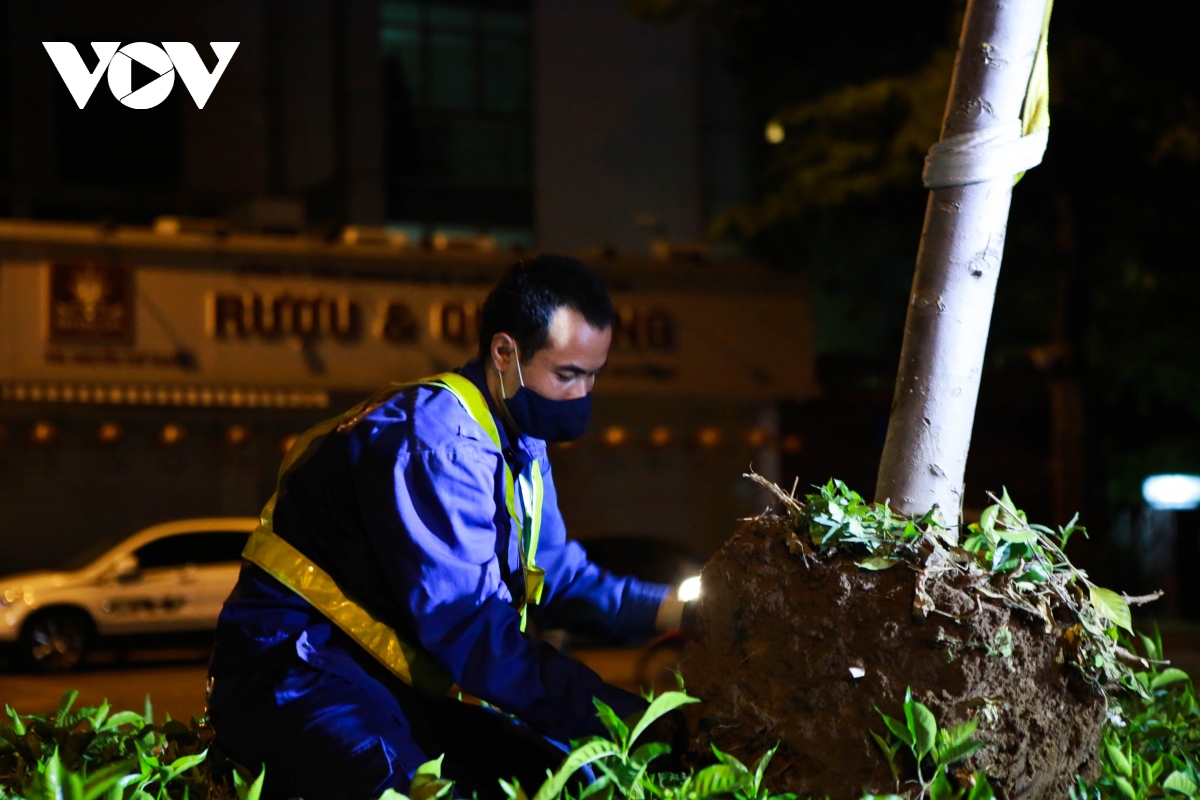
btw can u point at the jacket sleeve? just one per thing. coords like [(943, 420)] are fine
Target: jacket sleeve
[(582, 597), (432, 521)]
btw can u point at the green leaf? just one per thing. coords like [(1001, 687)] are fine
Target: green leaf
[(64, 705), (982, 790), (124, 718), (941, 789), (1064, 533), (96, 720), (760, 768), (1112, 607), (987, 520), (18, 724), (430, 769), (52, 777), (957, 752), (602, 783), (962, 732), (102, 780), (1000, 557), (663, 704), (1179, 782), (184, 763), (889, 752), (726, 758), (1036, 572), (877, 563), (617, 729), (430, 788), (148, 713), (921, 724), (1168, 676), (1006, 502), (1017, 536), (1125, 786), (74, 790), (1148, 644), (244, 792), (579, 757), (897, 728), (924, 729), (513, 790), (1118, 760), (718, 779)]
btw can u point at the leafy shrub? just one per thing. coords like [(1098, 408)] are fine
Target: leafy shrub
[(1152, 744), (623, 765), (1151, 750), (89, 753), (941, 747)]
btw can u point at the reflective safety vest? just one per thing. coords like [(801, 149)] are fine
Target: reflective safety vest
[(283, 562)]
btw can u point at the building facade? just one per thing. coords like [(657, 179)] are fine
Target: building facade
[(148, 375), (184, 287), (563, 124)]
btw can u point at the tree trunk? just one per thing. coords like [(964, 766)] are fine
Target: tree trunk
[(958, 263)]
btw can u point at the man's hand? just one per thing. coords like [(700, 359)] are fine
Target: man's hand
[(678, 616), (670, 613)]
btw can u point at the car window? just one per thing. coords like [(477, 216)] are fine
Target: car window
[(93, 551), (192, 548)]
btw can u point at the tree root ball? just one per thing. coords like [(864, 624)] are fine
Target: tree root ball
[(802, 649)]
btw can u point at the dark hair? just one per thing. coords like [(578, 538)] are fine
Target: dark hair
[(525, 299)]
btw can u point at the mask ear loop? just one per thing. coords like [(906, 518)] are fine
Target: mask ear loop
[(520, 377)]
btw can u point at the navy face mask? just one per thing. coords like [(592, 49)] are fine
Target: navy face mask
[(543, 418)]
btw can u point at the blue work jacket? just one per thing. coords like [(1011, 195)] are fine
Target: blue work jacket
[(406, 512)]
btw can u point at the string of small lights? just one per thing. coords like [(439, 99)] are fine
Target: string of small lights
[(45, 432), (204, 396)]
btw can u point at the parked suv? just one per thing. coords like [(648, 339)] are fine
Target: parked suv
[(166, 578)]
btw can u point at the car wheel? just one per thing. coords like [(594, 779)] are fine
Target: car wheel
[(55, 640)]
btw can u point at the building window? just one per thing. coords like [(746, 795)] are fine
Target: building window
[(458, 138)]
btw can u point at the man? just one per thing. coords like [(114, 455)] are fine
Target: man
[(381, 620)]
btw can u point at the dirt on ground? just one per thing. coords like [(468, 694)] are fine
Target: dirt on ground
[(784, 635)]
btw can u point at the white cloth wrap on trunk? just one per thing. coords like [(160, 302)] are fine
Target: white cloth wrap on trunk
[(998, 151)]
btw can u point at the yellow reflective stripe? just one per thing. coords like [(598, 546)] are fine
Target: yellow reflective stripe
[(290, 567), (539, 490), (535, 576), (475, 404), (472, 400)]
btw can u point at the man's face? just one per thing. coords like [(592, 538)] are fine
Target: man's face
[(566, 367)]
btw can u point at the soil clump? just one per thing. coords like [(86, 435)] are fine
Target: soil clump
[(800, 647)]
